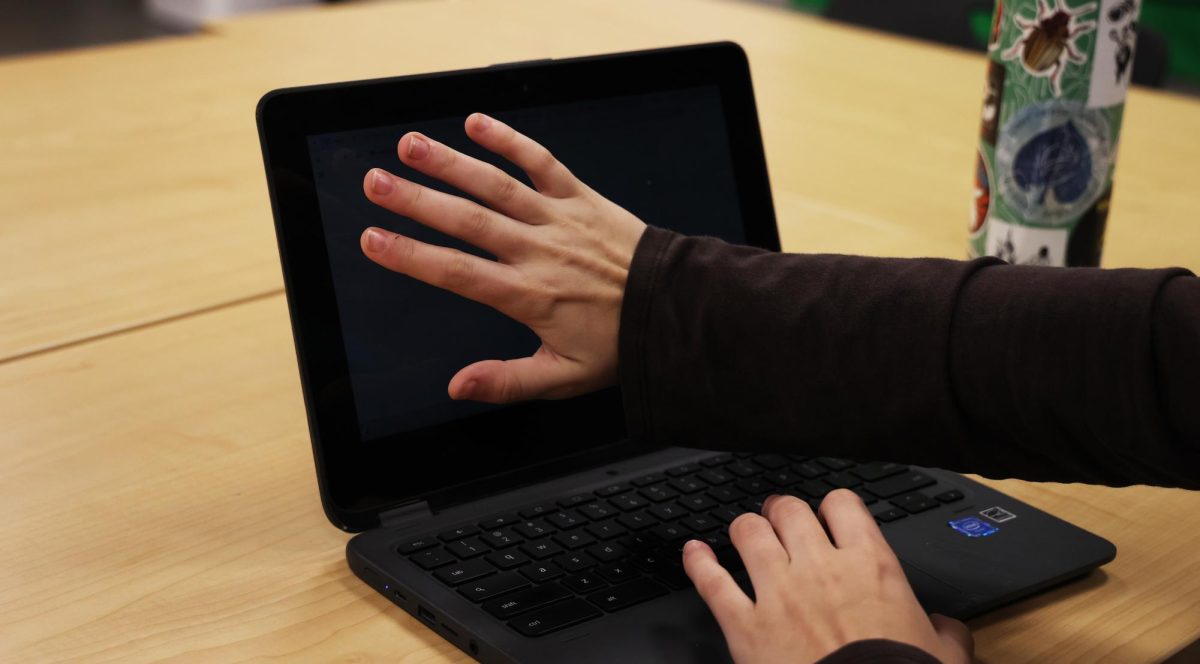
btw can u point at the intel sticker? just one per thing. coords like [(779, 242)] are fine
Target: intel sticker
[(972, 526)]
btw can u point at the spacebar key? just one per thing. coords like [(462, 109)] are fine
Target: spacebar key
[(626, 594), (555, 616)]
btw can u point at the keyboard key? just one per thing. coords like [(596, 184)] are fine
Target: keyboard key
[(729, 558), (697, 502), (491, 586), (659, 493), (743, 469), (629, 501), (663, 569), (810, 469), (752, 505), (700, 523), (725, 494), (915, 503), (457, 533), (753, 486), (607, 529), (904, 483), (414, 545), (468, 570), (638, 542), (584, 583), (431, 558), (500, 538), (685, 469), (637, 520), (572, 501), (770, 461), (866, 497), (717, 460), (687, 484), (612, 490), (607, 552), (498, 520), (538, 510), (726, 514), (671, 532), (554, 617), (715, 476), (532, 529), (597, 511), (813, 488), (888, 515), (715, 539), (539, 572), (574, 539), (647, 480), (878, 470), (842, 480), (668, 511), (543, 548), (834, 464), (574, 562), (565, 519), (618, 573), (782, 477), (950, 496), (525, 600), (468, 548), (507, 559), (628, 594)]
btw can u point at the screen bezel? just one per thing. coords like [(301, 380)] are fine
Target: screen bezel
[(357, 481)]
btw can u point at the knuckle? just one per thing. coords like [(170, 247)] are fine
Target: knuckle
[(506, 187), (459, 271), (543, 159), (478, 222)]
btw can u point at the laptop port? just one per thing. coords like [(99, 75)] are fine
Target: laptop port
[(448, 630), (426, 615)]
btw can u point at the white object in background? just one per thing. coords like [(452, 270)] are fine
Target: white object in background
[(192, 14)]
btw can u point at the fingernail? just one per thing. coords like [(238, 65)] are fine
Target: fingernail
[(482, 122), (376, 240), (418, 148), (381, 183), (691, 545)]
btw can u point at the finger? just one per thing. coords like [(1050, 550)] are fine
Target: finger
[(480, 179), (729, 605), (956, 637), (449, 214), (547, 173), (543, 375), (796, 526), (760, 550), (497, 285), (849, 521)]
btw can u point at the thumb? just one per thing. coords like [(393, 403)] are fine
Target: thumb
[(957, 639), (543, 375)]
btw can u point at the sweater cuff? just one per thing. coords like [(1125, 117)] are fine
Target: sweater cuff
[(878, 651), (631, 337)]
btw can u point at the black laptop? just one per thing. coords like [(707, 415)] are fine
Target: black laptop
[(538, 532)]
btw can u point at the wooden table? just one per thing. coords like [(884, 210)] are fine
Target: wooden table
[(158, 485)]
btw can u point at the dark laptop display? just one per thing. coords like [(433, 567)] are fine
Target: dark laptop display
[(537, 532)]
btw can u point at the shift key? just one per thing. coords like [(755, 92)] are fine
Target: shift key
[(526, 600), (554, 617)]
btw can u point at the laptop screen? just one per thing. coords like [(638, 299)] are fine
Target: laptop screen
[(664, 156)]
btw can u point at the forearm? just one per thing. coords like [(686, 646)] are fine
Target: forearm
[(925, 361)]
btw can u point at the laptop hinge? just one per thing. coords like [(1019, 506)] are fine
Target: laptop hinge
[(405, 514)]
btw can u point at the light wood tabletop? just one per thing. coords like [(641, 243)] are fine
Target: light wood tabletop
[(158, 486)]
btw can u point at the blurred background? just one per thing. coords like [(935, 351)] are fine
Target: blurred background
[(1168, 46)]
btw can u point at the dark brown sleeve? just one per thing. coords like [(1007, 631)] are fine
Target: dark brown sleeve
[(878, 651), (1042, 373)]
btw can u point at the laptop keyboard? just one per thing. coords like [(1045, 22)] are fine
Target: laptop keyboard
[(566, 561)]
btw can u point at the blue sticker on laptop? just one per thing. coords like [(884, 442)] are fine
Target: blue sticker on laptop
[(973, 526)]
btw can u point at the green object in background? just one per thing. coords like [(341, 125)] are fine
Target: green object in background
[(1177, 21)]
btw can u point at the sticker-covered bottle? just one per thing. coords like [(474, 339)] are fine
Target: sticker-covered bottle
[(1058, 71)]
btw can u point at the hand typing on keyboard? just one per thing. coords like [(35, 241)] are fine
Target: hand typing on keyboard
[(563, 253), (816, 593)]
